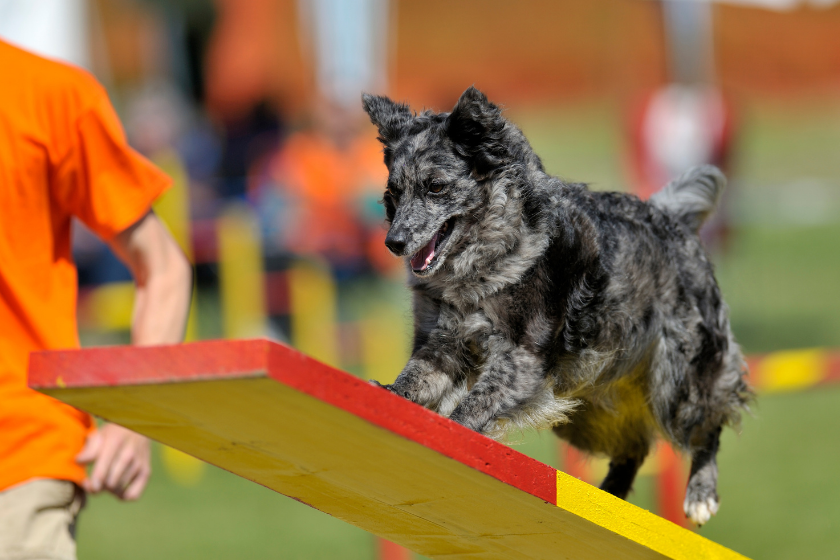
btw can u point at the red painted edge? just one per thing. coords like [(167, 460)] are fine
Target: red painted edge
[(127, 365), (131, 365), (412, 421)]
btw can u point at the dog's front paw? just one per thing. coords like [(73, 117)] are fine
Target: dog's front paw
[(405, 389), (700, 509), (392, 388), (467, 421), (376, 383)]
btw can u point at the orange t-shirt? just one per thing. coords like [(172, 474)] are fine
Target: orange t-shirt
[(63, 153), (327, 183)]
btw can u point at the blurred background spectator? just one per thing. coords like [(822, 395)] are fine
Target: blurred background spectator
[(253, 106)]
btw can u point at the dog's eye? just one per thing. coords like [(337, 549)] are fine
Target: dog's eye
[(436, 186), (390, 189)]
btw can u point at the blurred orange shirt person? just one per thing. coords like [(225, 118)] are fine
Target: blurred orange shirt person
[(63, 154), (328, 183)]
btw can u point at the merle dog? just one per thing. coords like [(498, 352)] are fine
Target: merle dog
[(540, 303)]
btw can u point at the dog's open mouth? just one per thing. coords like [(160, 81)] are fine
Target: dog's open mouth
[(423, 259)]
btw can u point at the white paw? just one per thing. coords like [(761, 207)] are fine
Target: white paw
[(701, 512)]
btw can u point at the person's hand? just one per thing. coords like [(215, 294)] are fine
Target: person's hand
[(121, 462)]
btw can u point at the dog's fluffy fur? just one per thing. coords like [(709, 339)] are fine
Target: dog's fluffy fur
[(539, 303)]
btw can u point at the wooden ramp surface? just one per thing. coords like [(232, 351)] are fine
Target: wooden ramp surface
[(281, 419)]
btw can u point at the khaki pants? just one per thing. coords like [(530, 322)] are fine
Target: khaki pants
[(38, 520)]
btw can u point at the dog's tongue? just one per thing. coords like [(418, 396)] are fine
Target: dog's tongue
[(422, 258)]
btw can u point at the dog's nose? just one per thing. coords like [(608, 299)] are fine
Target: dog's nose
[(395, 242)]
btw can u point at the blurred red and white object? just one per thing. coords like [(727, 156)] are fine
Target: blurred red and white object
[(689, 121), (675, 128)]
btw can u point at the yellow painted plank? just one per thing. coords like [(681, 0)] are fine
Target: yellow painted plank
[(634, 523)]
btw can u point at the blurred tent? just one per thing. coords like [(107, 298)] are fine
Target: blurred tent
[(535, 51), (531, 51)]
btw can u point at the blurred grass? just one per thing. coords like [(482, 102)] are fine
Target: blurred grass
[(783, 140), (581, 146), (782, 286), (778, 482)]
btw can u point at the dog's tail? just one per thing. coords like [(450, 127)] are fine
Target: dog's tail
[(692, 197)]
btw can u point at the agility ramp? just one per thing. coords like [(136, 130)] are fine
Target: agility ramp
[(323, 437)]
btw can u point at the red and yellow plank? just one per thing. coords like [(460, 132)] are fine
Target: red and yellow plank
[(330, 440), (793, 370)]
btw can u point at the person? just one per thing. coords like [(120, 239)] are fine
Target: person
[(63, 154), (318, 193)]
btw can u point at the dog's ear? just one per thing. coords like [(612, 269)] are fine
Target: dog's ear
[(476, 125), (391, 118)]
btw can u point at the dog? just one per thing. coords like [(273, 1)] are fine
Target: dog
[(539, 303)]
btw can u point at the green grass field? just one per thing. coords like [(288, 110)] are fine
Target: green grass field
[(780, 275)]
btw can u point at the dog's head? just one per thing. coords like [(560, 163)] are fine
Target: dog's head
[(437, 163)]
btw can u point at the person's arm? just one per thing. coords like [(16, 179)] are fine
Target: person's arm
[(163, 279)]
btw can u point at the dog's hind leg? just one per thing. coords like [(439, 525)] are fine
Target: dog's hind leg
[(701, 499), (620, 477), (728, 395), (693, 399)]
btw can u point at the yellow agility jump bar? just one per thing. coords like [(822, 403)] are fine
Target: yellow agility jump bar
[(323, 437)]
